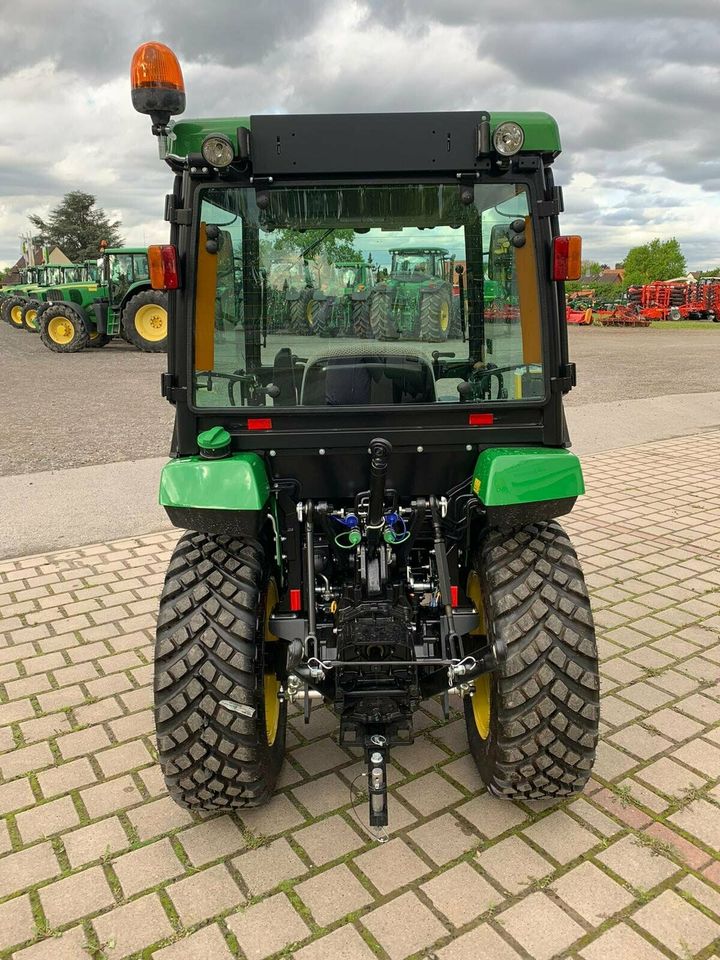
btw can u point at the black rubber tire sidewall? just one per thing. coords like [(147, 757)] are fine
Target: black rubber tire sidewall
[(79, 341), (214, 567), (132, 335), (525, 780)]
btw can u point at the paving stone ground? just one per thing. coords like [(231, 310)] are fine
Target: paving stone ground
[(96, 861)]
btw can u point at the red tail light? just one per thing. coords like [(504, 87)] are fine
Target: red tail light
[(259, 423), (454, 596), (481, 419), (567, 258), (163, 266), (295, 600)]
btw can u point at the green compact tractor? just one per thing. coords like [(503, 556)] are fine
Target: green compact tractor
[(72, 316), (416, 301), (369, 523)]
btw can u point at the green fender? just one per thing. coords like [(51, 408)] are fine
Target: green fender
[(524, 484), (228, 495)]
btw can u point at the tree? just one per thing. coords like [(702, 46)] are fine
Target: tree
[(77, 226), (334, 244), (591, 268), (657, 260)]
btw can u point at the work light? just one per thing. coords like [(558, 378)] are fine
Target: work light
[(217, 150), (508, 138)]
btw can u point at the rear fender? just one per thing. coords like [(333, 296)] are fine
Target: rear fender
[(225, 496), (519, 485)]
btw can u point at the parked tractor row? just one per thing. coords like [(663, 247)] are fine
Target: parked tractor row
[(74, 306)]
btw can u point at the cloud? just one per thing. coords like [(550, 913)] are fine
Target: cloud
[(634, 88)]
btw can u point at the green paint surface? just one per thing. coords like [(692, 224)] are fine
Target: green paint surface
[(541, 130), (186, 136), (216, 438), (509, 475), (239, 482)]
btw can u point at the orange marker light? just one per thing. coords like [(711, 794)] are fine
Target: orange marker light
[(567, 258), (156, 80), (162, 262)]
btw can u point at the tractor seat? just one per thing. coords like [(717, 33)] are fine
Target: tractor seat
[(379, 374)]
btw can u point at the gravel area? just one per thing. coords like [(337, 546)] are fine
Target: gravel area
[(103, 406)]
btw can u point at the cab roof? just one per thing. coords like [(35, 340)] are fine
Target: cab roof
[(282, 144)]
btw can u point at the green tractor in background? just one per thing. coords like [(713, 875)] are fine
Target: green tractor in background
[(341, 306), (79, 315), (65, 277), (416, 301), (13, 297)]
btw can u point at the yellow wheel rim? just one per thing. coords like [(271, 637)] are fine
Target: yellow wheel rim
[(309, 313), (16, 315), (94, 335), (151, 322), (271, 683), (444, 317), (31, 319), (61, 330), (482, 697)]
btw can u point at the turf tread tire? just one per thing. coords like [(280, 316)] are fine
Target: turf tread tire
[(213, 758), (545, 699)]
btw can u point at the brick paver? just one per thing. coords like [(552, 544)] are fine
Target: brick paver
[(96, 860)]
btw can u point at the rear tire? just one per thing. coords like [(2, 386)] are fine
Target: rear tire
[(11, 311), (382, 323), (144, 319), (62, 329), (29, 315), (96, 341), (537, 735), (322, 318), (435, 313), (360, 321), (298, 313), (211, 647)]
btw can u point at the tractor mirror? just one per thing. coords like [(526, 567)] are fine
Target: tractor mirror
[(500, 251)]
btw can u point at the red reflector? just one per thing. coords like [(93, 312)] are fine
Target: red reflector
[(454, 596), (259, 423), (481, 419), (294, 600)]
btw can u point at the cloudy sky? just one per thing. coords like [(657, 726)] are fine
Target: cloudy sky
[(635, 88)]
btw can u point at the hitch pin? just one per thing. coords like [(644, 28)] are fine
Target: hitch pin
[(458, 668)]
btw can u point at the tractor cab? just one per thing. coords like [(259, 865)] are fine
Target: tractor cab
[(370, 485), (417, 263)]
